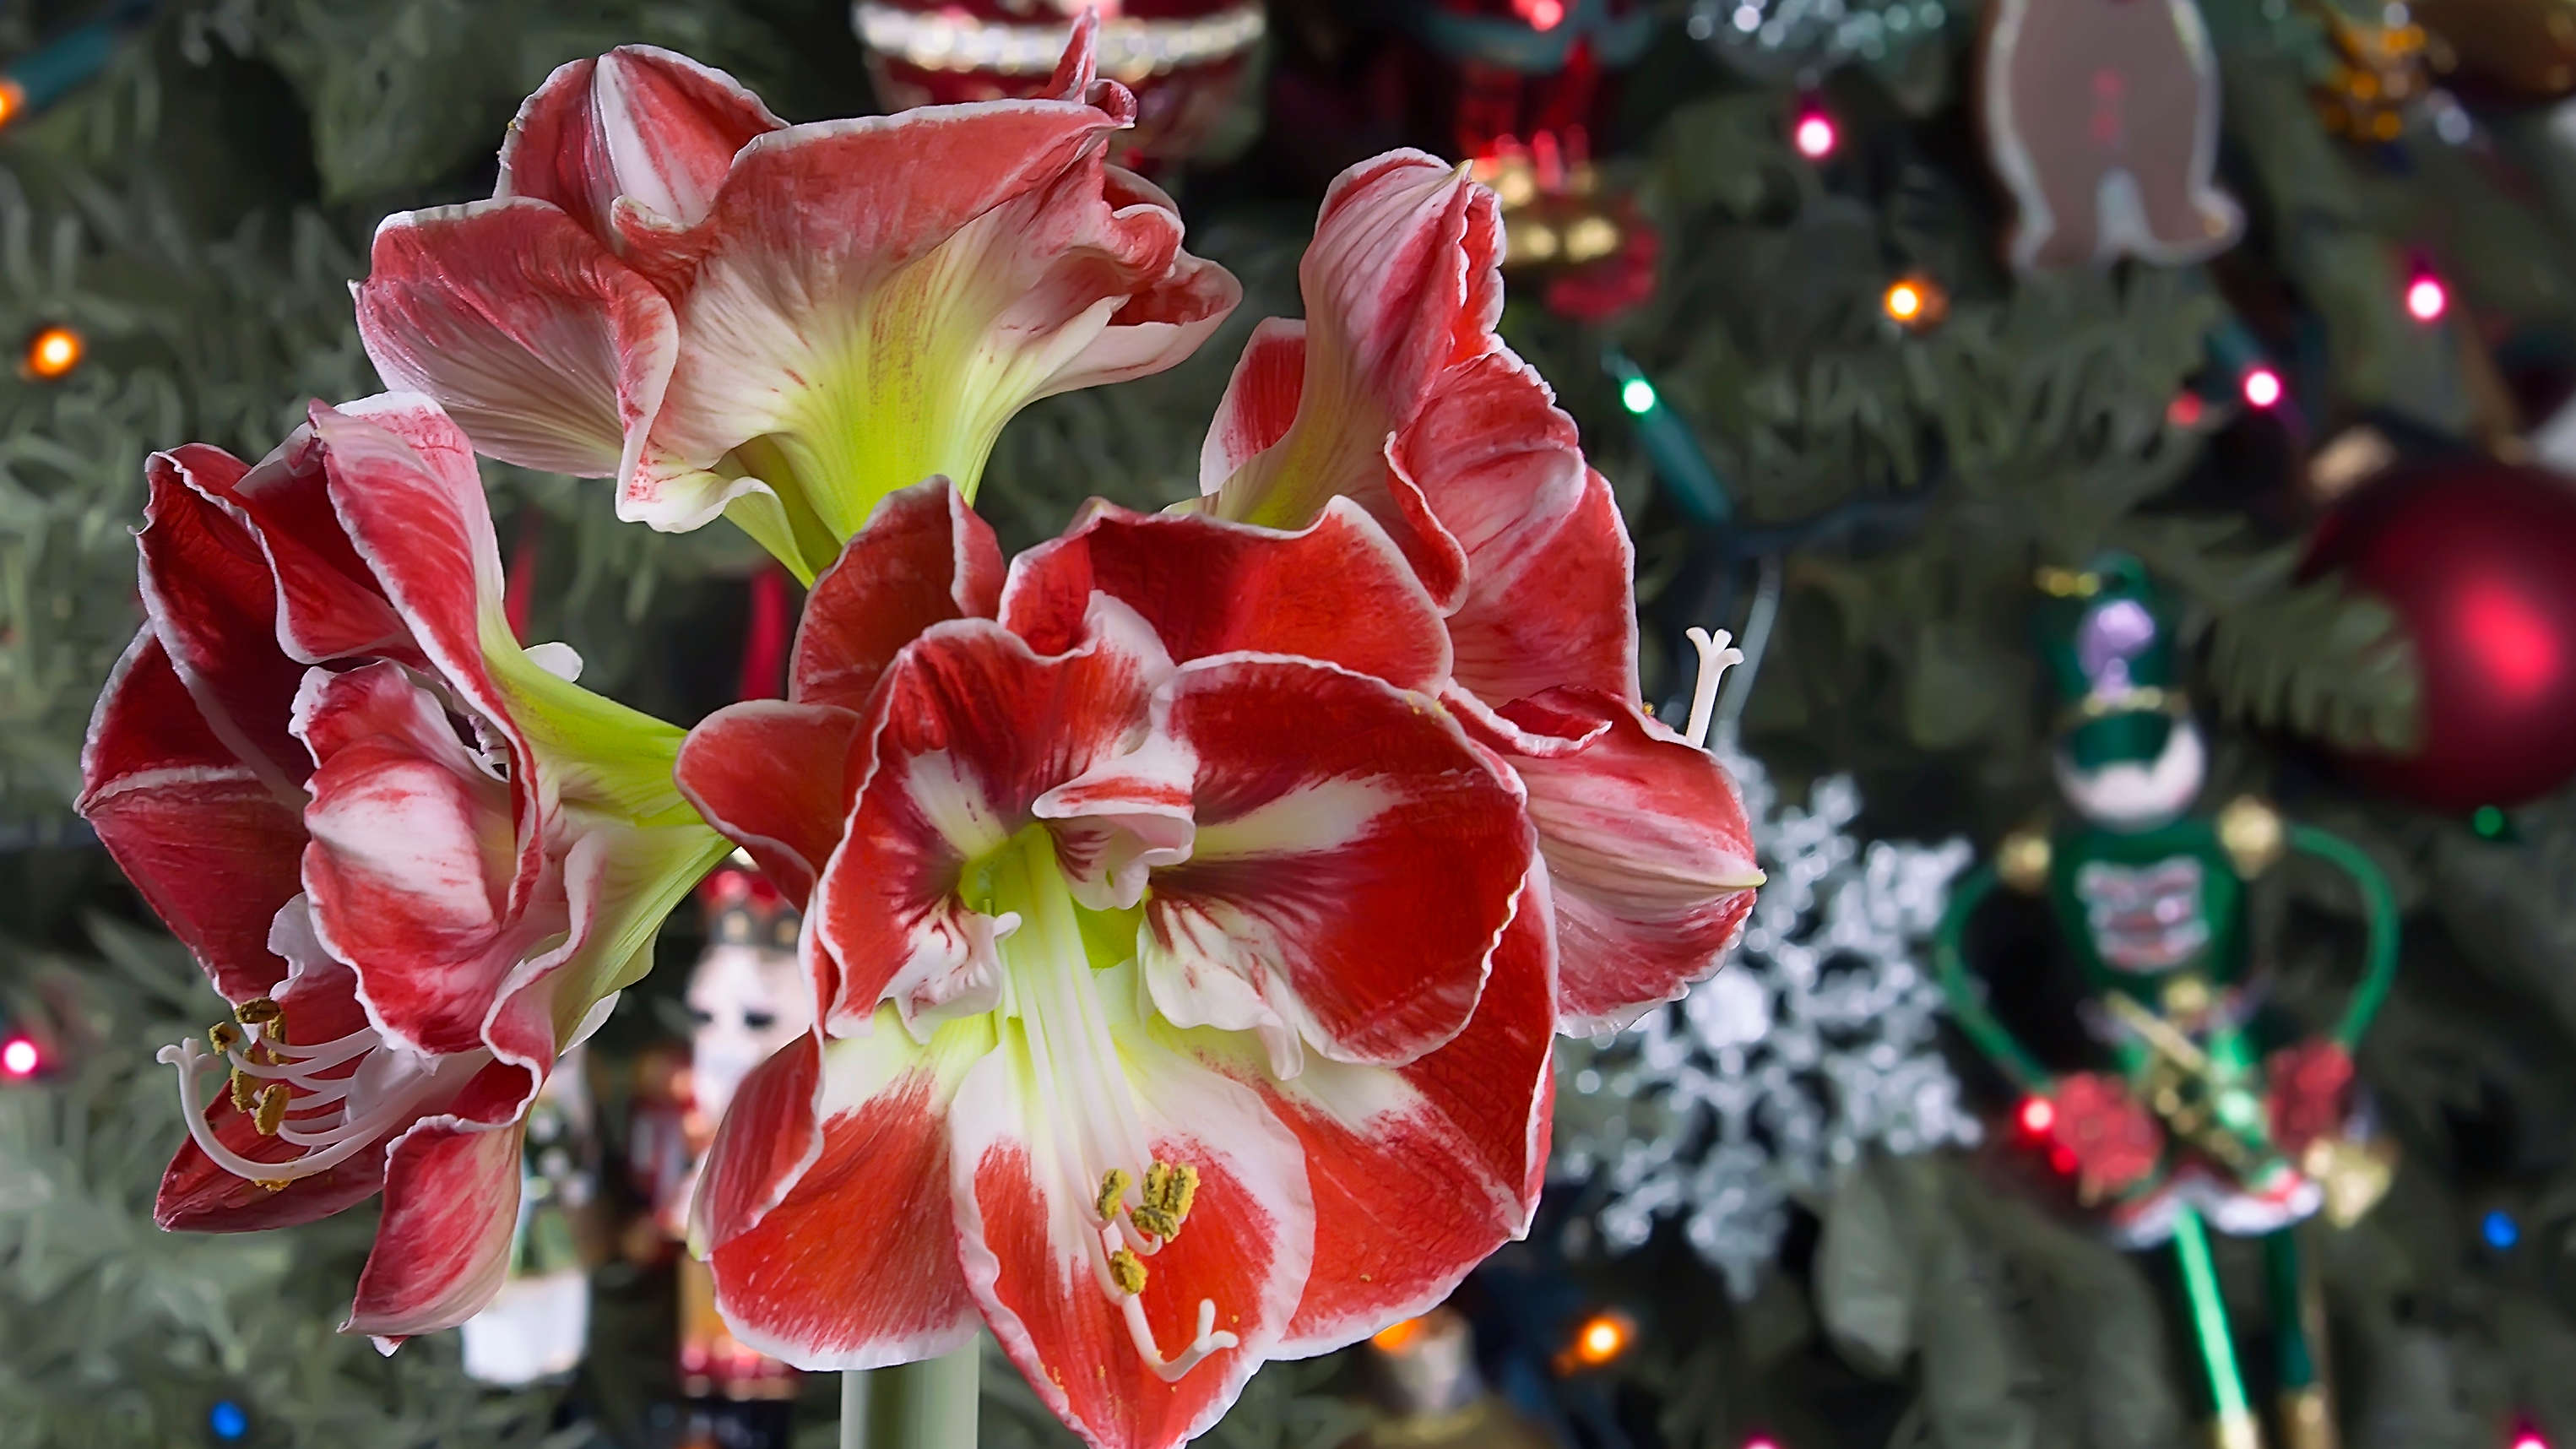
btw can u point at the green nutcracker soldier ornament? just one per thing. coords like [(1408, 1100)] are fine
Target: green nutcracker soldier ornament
[(2195, 1127)]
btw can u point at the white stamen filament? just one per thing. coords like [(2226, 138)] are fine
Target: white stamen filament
[(367, 1109), (1210, 1339), (1074, 1057), (1715, 657)]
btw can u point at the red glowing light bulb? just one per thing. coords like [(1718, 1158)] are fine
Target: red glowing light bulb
[(2037, 1116), (2262, 387), (19, 1057), (1815, 135), (2529, 1440), (2426, 298)]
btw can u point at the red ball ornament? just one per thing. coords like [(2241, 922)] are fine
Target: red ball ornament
[(2478, 559), (1185, 59)]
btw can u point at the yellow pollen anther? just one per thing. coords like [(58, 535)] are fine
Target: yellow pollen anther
[(242, 1098), (272, 1109), (223, 1036), (273, 1184), (1171, 1187), (1113, 1186), (1128, 1271), (1153, 1220), (258, 1011)]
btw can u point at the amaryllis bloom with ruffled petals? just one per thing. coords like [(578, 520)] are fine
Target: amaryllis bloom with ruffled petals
[(417, 860), (782, 323), (1185, 969), (1396, 393)]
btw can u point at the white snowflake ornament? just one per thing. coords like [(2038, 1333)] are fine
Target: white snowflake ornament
[(1815, 1043)]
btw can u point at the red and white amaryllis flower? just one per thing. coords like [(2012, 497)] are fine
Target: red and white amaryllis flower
[(782, 323), (1396, 392), (1185, 978), (416, 859)]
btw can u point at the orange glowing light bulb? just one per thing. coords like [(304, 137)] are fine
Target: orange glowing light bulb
[(1397, 1337), (53, 353), (1602, 1339)]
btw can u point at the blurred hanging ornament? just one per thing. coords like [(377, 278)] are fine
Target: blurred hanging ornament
[(1521, 69), (1520, 86), (2101, 116), (2379, 70), (1583, 242), (2474, 557), (1815, 1043), (2514, 50), (1186, 60), (1780, 39)]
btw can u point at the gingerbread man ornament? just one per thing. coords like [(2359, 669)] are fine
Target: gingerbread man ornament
[(2102, 118)]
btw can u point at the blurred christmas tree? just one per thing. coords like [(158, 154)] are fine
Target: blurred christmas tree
[(1848, 314)]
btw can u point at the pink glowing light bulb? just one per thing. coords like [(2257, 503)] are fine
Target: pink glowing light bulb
[(19, 1058), (2263, 387), (2427, 299), (1815, 135)]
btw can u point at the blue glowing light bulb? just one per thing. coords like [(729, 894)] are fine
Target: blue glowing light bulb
[(227, 1420), (2500, 1230)]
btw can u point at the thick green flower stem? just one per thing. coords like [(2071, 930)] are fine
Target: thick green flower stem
[(925, 1405)]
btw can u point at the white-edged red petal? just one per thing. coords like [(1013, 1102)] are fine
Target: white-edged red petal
[(774, 778), (1159, 326), (639, 122), (1260, 400), (327, 606), (1031, 1250), (412, 858), (925, 556), (209, 594), (969, 728), (1336, 590), (1548, 598), (1308, 909), (1418, 1172), (214, 847), (1401, 284), (1404, 272), (1647, 849), (404, 486), (826, 1203), (548, 351), (451, 1204)]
